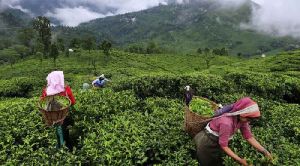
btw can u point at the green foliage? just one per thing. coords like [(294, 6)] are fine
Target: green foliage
[(18, 87), (139, 121), (39, 56), (54, 53), (9, 55), (26, 36), (183, 29), (60, 44), (270, 86), (201, 107), (106, 47), (42, 26), (89, 43), (172, 86), (208, 56), (22, 50)]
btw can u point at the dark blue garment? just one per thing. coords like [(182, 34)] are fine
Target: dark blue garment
[(223, 110), (188, 97)]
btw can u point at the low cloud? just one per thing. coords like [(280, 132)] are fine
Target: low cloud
[(277, 17), (73, 16)]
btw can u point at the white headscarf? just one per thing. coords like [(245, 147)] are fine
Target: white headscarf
[(56, 83)]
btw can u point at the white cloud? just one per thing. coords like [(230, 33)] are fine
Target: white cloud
[(277, 17), (20, 8), (231, 3), (280, 17), (7, 3), (73, 16)]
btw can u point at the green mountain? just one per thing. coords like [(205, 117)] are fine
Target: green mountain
[(184, 28), (12, 20)]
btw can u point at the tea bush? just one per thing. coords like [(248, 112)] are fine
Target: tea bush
[(19, 87)]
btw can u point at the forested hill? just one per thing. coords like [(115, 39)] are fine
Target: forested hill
[(184, 28), (11, 21)]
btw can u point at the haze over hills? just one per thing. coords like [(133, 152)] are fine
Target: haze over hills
[(174, 27), (184, 28)]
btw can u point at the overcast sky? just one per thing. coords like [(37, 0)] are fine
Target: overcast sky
[(280, 17)]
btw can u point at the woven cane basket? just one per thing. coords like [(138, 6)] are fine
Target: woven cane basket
[(193, 122), (54, 117)]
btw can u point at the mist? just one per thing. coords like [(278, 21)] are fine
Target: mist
[(275, 17)]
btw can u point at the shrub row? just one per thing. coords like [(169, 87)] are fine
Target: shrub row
[(270, 86), (19, 87)]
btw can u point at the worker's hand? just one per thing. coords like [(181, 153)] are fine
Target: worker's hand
[(268, 155), (243, 162)]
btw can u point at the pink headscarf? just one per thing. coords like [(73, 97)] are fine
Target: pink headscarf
[(55, 82), (246, 107)]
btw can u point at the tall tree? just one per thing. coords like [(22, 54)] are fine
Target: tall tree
[(89, 43), (74, 43), (54, 53), (26, 36), (61, 44), (42, 26), (106, 46)]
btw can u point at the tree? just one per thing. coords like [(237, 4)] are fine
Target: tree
[(25, 36), (5, 43), (224, 51), (22, 50), (75, 43), (106, 46), (89, 43), (42, 26), (208, 56), (136, 48), (199, 51), (9, 55), (60, 44), (39, 55), (54, 53)]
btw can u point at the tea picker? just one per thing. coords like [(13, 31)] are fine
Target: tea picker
[(213, 133), (56, 103), (100, 82), (188, 95)]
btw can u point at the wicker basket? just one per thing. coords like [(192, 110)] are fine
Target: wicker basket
[(193, 122), (54, 117)]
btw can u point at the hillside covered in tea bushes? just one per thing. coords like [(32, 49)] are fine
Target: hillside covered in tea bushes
[(138, 118)]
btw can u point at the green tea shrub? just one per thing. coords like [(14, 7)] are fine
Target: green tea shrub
[(271, 86), (19, 87), (172, 86), (201, 107)]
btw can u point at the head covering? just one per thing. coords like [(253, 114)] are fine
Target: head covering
[(220, 105), (85, 86), (55, 82), (246, 108), (187, 88), (101, 76)]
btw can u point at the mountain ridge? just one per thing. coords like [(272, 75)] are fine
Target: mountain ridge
[(186, 28)]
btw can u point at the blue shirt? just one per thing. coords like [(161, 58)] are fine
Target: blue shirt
[(99, 83)]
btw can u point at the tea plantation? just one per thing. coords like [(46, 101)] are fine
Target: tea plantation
[(138, 118)]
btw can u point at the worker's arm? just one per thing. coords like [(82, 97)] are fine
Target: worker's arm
[(260, 148), (230, 153), (224, 134)]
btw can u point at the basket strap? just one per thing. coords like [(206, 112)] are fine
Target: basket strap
[(250, 109)]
